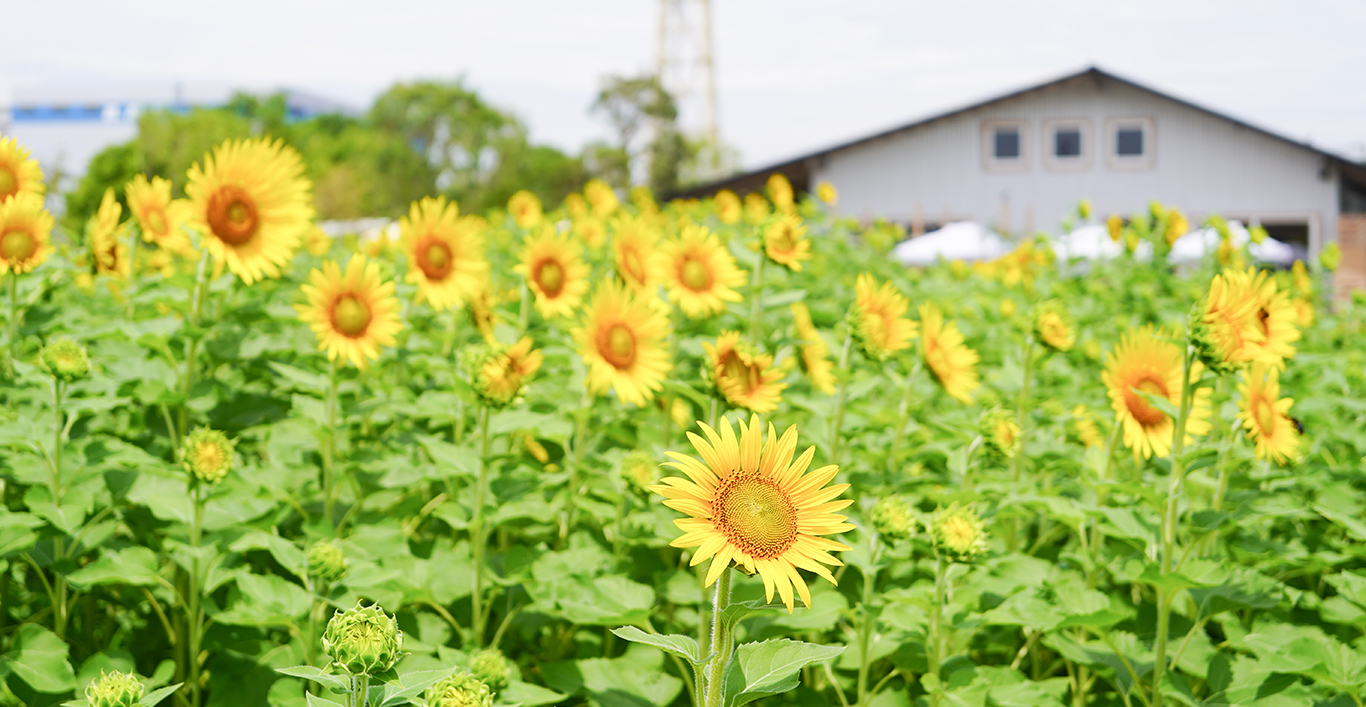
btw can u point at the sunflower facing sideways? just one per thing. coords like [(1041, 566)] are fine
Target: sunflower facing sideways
[(623, 341), (1265, 415), (876, 319), (700, 273), (750, 502), (815, 354), (498, 377), (555, 271), (635, 255), (352, 312), (1148, 361), (1277, 316), (785, 242), (744, 378), (525, 209), (1228, 329), (18, 173), (25, 233), (109, 250), (251, 202), (941, 344), (159, 215), (445, 254)]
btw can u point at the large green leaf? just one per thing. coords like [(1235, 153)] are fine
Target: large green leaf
[(136, 566), (39, 658), (682, 646), (770, 668)]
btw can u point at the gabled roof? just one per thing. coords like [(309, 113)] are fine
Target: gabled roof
[(796, 171)]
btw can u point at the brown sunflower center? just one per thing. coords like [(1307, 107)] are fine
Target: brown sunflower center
[(9, 184), (695, 274), (156, 222), (1266, 416), (232, 215), (350, 315), (17, 245), (1264, 318), (755, 515), (735, 371), (434, 259), (549, 275), (1146, 414), (617, 344)]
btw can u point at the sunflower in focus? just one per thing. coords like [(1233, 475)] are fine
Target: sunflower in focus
[(18, 173), (1265, 415), (785, 242), (954, 365), (500, 375), (700, 273), (635, 255), (728, 207), (749, 502), (877, 321), (815, 354), (445, 254), (592, 231), (251, 202), (1228, 327), (555, 271), (1148, 361), (109, 250), (353, 313), (601, 197), (744, 378), (1276, 316), (158, 215), (525, 209), (825, 191), (623, 342), (1053, 328), (25, 233)]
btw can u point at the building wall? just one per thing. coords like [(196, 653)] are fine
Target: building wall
[(1351, 274), (1201, 165)]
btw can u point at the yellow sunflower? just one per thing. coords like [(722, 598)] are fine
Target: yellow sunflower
[(1303, 282), (1276, 314), (1084, 428), (728, 207), (1304, 313), (1053, 328), (700, 273), (502, 373), (623, 342), (1177, 226), (554, 270), (251, 203), (601, 197), (749, 502), (592, 231), (635, 253), (756, 207), (785, 242), (780, 192), (352, 312), (576, 205), (1229, 327), (1115, 227), (745, 379), (483, 310), (825, 191), (25, 233), (815, 354), (1149, 361), (876, 319), (954, 365), (317, 241), (1265, 415), (525, 209), (159, 216), (18, 173), (106, 244), (445, 253)]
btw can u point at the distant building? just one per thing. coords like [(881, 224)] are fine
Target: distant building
[(1023, 160)]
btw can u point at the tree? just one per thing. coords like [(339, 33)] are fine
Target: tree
[(632, 103)]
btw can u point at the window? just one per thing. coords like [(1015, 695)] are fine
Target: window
[(1067, 144), (1130, 143), (1005, 145)]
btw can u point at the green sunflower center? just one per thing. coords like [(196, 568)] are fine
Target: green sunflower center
[(17, 245), (156, 222), (695, 275), (232, 215), (549, 275), (617, 345), (756, 515), (351, 316)]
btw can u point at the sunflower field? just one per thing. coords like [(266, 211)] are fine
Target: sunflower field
[(618, 453)]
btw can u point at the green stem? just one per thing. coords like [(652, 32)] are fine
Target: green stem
[(839, 408), (478, 535), (756, 296), (55, 488), (934, 653), (195, 612), (575, 455), (451, 330), (13, 317), (869, 622), (329, 449), (133, 234), (1169, 526), (903, 416), (363, 695), (1020, 405), (1102, 491), (721, 644), (192, 342), (524, 313)]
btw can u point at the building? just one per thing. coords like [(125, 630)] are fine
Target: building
[(1022, 161)]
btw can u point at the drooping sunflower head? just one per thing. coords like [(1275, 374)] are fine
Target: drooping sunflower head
[(877, 320), (1000, 433), (65, 360), (159, 216), (601, 197), (207, 455), (623, 342), (353, 313), (499, 373), (1228, 326), (814, 352), (491, 667), (555, 271), (25, 233), (746, 379), (114, 689), (251, 202), (700, 273), (445, 253), (1177, 226), (1053, 327), (1115, 227), (958, 533), (109, 249), (1150, 362), (728, 207), (825, 191), (941, 345), (636, 256), (363, 640), (525, 209), (1265, 415), (748, 501), (785, 242), (483, 311), (1276, 316), (18, 173)]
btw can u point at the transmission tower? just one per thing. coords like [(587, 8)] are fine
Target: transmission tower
[(686, 70)]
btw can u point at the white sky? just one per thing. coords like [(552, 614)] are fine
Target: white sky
[(793, 75)]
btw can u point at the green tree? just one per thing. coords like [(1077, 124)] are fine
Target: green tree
[(631, 104)]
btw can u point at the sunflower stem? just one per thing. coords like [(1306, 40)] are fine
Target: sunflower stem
[(478, 536), (721, 644), (756, 297), (869, 623), (1102, 491), (13, 319), (839, 408), (934, 652), (133, 233), (575, 455), (1017, 467), (192, 341), (55, 481), (903, 416), (451, 330), (329, 450), (194, 611), (524, 312), (1169, 525)]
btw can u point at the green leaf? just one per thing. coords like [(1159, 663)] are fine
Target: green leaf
[(136, 566), (737, 611), (40, 659), (528, 695), (408, 686), (334, 682), (315, 701), (155, 697), (303, 379), (770, 668), (681, 646), (636, 679), (453, 460)]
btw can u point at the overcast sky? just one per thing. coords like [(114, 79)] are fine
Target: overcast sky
[(793, 75)]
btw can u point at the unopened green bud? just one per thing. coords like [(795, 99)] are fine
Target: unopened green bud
[(1000, 433), (363, 640), (207, 455), (459, 690), (490, 666), (891, 518), (1330, 257), (65, 360), (640, 470), (114, 690), (958, 533), (326, 562)]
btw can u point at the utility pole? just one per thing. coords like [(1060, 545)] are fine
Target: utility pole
[(687, 70)]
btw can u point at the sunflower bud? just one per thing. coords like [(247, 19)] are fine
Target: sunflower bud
[(1115, 226), (65, 360), (891, 518), (363, 640), (326, 562), (1052, 327), (1084, 209), (459, 690), (490, 667), (958, 533), (114, 690), (1257, 234), (498, 374), (1000, 433), (207, 455), (640, 470), (1330, 257)]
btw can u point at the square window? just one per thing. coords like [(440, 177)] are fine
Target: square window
[(1129, 142), (1067, 143), (1007, 144)]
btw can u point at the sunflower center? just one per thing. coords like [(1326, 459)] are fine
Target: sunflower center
[(17, 245), (156, 221), (784, 243), (232, 215), (9, 184), (550, 276), (1005, 432), (695, 275), (1264, 317), (1146, 414), (350, 315), (755, 515), (959, 534), (617, 344), (435, 260), (209, 457), (1266, 416)]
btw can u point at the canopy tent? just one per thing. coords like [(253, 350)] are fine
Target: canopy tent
[(959, 240), (1093, 242), (1197, 244)]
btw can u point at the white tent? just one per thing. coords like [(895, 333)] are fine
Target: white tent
[(1092, 242), (959, 240), (1194, 246)]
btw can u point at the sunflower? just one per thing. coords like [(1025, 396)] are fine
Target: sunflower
[(635, 253), (109, 250), (1303, 282), (499, 376), (317, 241), (825, 191), (700, 273), (876, 319), (622, 341), (576, 205), (483, 310), (728, 207), (750, 503), (18, 173), (1053, 328), (1304, 313), (780, 192), (953, 364), (554, 270), (1177, 226), (744, 378), (445, 253), (592, 231), (352, 312), (159, 216), (1228, 327), (1084, 428), (601, 197), (785, 243), (1115, 227), (1276, 314), (815, 354), (756, 207), (25, 233), (251, 203), (525, 209), (1148, 361), (1264, 415)]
